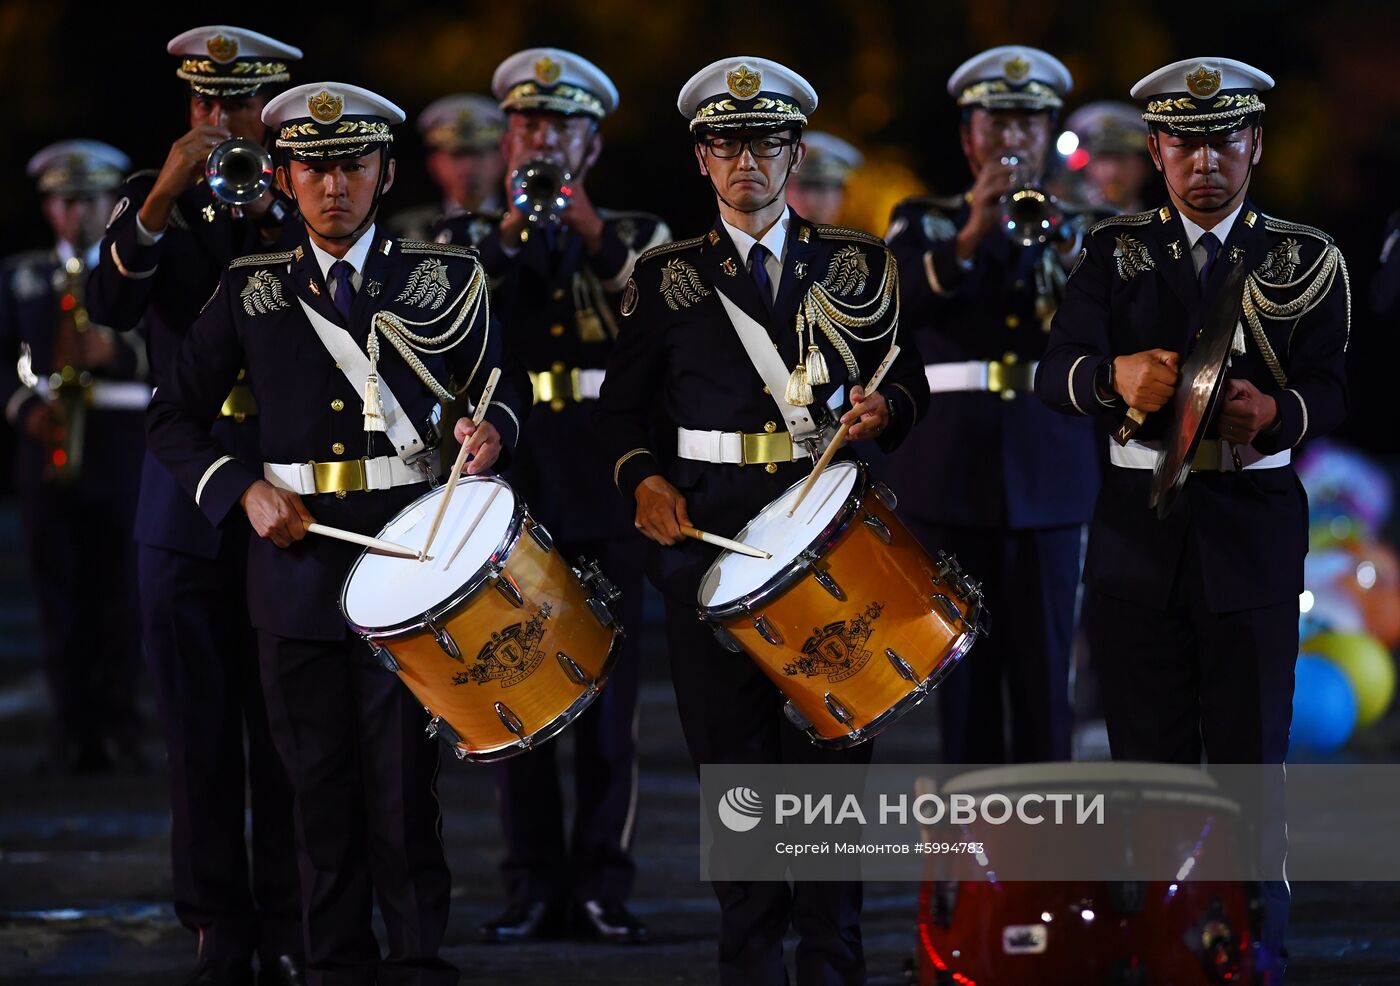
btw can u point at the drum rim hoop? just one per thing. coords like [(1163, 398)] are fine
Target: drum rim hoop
[(474, 583), (794, 571)]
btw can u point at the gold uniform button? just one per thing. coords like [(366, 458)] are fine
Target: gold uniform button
[(338, 448), (557, 404), (770, 426), (1008, 395), (556, 330), (767, 391), (242, 374), (771, 468), (1010, 358), (556, 367), (1012, 321), (558, 294), (337, 405)]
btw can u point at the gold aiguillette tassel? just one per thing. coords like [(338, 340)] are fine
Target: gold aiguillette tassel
[(799, 390), (374, 404), (817, 372)]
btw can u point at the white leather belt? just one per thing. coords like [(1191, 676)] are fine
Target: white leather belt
[(1212, 456), (308, 478), (736, 447), (980, 374), (107, 395)]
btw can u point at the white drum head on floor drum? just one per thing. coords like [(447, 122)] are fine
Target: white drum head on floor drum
[(733, 576), (385, 591)]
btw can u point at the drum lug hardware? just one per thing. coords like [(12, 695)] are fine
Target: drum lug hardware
[(601, 590), (574, 673), (727, 641), (948, 566), (506, 586), (382, 655), (795, 716), (767, 630), (901, 665), (438, 728), (838, 711), (878, 526), (886, 496), (512, 722), (541, 536), (443, 638), (828, 583), (948, 608)]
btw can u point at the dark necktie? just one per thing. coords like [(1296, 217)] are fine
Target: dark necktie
[(342, 290), (758, 270), (1212, 245)]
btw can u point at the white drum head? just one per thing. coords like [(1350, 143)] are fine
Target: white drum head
[(733, 576), (384, 591)]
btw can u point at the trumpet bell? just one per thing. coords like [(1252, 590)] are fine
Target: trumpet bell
[(541, 190), (239, 171), (1030, 216)]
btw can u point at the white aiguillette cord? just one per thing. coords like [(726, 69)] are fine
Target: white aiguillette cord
[(840, 437), (477, 414)]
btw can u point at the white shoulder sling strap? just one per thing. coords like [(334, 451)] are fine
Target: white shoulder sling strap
[(764, 356), (355, 365)]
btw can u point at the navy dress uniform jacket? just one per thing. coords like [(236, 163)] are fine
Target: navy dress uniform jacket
[(680, 359), (167, 284), (1134, 289), (560, 307), (981, 459), (307, 408)]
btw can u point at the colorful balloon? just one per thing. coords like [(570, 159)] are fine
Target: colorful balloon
[(1324, 706), (1366, 664)]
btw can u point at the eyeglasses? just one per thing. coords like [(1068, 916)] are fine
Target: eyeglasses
[(767, 146)]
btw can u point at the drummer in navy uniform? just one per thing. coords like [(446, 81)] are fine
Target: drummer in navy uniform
[(302, 322), (167, 242), (681, 357), (818, 191), (1193, 620), (76, 405), (992, 477), (462, 133), (557, 286)]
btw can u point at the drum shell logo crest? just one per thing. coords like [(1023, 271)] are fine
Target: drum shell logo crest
[(837, 649), (511, 655)]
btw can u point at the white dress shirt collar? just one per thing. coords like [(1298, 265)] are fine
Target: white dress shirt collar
[(775, 239), (1220, 229), (355, 257)]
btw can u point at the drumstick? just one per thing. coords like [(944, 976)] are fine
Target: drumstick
[(471, 528), (738, 547), (840, 437), (388, 547), (461, 462)]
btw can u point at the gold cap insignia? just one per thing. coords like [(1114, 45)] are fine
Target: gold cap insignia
[(324, 106), (1017, 69), (547, 70), (222, 48), (743, 82), (1203, 82)]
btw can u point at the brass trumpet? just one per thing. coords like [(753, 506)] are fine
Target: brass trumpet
[(1029, 214), (541, 189), (239, 171)]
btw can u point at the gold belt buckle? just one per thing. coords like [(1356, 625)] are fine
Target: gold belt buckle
[(1003, 375), (556, 386), (1208, 456), (761, 448), (239, 403), (345, 476)]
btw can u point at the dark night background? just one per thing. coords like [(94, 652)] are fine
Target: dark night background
[(1331, 151)]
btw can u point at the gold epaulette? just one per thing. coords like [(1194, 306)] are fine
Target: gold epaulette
[(1132, 219), (1283, 226), (263, 259), (452, 249), (672, 247), (845, 233)]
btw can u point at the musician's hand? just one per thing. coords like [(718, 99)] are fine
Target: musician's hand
[(40, 421), (183, 166), (661, 510), (1146, 380), (583, 219), (868, 416), (1245, 412), (276, 514), (483, 443), (97, 346), (993, 181)]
